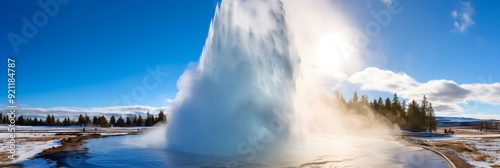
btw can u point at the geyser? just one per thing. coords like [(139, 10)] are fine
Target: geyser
[(263, 79), (241, 91)]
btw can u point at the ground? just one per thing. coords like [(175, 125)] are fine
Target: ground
[(474, 148)]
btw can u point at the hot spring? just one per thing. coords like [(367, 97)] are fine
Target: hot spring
[(260, 94)]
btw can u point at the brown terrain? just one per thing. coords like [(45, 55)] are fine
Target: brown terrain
[(71, 142), (457, 145)]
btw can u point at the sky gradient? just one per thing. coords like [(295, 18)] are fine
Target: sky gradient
[(98, 54)]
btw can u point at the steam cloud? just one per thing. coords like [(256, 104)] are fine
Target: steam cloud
[(264, 75)]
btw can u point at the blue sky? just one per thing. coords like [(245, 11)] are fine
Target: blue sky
[(92, 53)]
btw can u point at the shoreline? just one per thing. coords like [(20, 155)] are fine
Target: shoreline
[(71, 148), (71, 142), (461, 148), (452, 158)]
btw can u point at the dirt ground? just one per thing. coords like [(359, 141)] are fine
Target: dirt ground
[(460, 147)]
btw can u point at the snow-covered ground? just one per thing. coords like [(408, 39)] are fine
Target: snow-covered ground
[(26, 148), (5, 127), (477, 150)]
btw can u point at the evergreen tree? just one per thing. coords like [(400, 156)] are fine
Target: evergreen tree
[(405, 114), (424, 108), (5, 119), (161, 116), (58, 123), (128, 123), (95, 121), (380, 102), (35, 121), (28, 121), (120, 122), (338, 97), (53, 118), (112, 120), (87, 120), (81, 120), (134, 123), (50, 120), (102, 121), (387, 104), (139, 121), (355, 99), (364, 100), (20, 120), (432, 119), (395, 103), (148, 120), (416, 117), (64, 122)]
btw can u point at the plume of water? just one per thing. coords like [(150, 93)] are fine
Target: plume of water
[(243, 85), (263, 79)]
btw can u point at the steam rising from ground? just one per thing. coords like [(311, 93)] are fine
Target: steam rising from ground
[(264, 78)]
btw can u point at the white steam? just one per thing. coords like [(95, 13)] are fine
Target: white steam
[(264, 76), (243, 84)]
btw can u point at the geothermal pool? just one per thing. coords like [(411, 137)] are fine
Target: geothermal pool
[(321, 151)]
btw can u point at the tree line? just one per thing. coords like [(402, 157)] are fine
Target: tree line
[(413, 116), (85, 120)]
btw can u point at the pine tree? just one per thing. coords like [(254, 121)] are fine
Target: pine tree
[(120, 122), (432, 119), (35, 122), (139, 121), (416, 120), (28, 121), (355, 99), (112, 120), (88, 122), (53, 119), (364, 100), (102, 121), (338, 97), (95, 121), (58, 123), (64, 122), (161, 116), (424, 108), (20, 120), (128, 123), (148, 120), (380, 102), (81, 120), (50, 120), (405, 114), (387, 104)]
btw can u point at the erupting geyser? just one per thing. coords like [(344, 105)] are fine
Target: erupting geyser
[(262, 79), (242, 89)]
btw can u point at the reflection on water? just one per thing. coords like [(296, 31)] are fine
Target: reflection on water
[(321, 152)]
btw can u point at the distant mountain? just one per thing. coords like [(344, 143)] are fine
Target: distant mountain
[(457, 119)]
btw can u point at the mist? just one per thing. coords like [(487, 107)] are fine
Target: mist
[(264, 81)]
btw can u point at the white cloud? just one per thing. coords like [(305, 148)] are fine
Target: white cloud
[(382, 80), (484, 93), (454, 14), (387, 2), (74, 112), (462, 17), (169, 100), (446, 95)]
